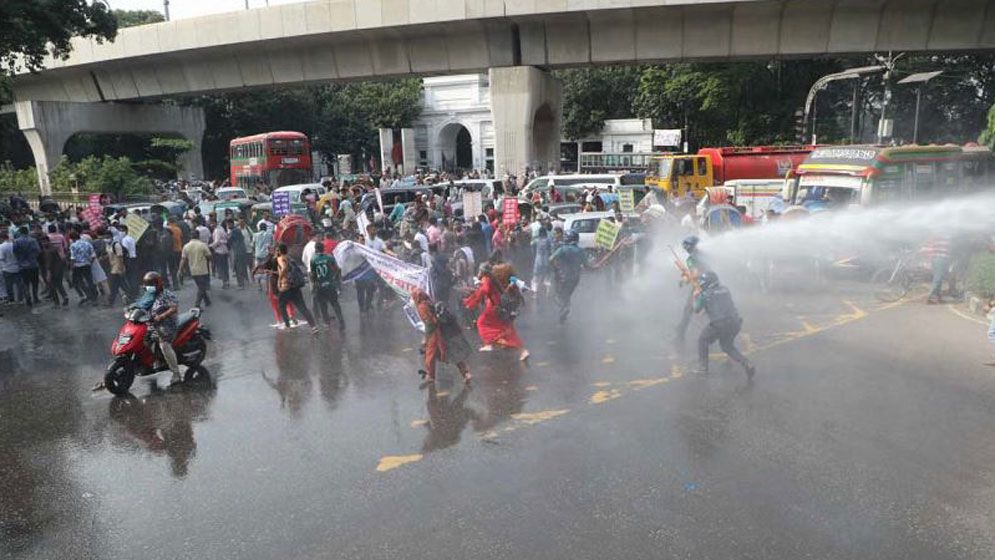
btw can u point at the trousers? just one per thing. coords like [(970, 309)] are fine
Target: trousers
[(725, 331)]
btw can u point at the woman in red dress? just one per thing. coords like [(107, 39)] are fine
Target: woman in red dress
[(493, 330)]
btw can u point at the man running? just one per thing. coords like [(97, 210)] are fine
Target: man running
[(567, 262)]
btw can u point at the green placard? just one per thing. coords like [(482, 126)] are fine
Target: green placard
[(606, 234), (627, 201)]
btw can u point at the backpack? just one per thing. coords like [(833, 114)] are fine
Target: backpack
[(509, 304), (297, 277)]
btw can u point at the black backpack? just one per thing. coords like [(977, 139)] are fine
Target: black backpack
[(511, 301), (297, 277)]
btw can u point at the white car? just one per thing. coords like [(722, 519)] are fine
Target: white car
[(586, 225), (231, 193)]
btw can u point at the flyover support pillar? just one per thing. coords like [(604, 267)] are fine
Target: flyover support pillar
[(48, 125), (527, 107)]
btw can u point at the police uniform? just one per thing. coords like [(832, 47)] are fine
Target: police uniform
[(724, 324)]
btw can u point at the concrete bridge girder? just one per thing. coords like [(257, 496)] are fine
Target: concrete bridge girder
[(328, 40), (48, 125)]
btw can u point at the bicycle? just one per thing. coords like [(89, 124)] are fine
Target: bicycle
[(893, 282)]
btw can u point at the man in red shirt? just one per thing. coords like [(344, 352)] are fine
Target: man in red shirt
[(329, 243)]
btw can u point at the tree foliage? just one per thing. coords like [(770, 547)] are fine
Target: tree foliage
[(114, 175), (592, 95), (131, 18), (34, 28)]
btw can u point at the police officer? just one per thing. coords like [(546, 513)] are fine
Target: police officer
[(724, 322), (693, 267), (567, 261)]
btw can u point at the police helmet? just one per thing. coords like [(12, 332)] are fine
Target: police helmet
[(690, 242), (708, 279)]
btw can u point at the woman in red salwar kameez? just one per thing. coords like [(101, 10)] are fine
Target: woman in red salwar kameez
[(493, 330)]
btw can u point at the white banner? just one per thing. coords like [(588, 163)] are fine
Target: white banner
[(472, 204), (667, 137), (403, 277)]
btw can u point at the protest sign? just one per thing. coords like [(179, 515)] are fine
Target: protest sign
[(627, 200), (472, 204), (510, 213), (355, 260), (606, 234), (281, 203), (136, 225)]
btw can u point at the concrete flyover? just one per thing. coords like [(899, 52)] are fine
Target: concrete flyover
[(48, 125), (330, 40)]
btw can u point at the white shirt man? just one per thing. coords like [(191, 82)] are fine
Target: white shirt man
[(128, 242)]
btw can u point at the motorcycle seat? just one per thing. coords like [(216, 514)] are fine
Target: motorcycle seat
[(185, 318)]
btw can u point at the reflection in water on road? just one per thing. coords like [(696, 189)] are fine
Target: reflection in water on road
[(162, 421), (293, 378), (447, 417)]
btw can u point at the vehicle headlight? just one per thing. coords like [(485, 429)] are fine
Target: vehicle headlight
[(124, 339)]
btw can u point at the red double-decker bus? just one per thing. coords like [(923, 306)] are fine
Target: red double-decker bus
[(274, 158)]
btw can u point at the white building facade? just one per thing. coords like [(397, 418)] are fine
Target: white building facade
[(456, 128)]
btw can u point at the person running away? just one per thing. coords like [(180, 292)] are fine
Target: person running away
[(724, 322), (494, 326), (444, 341)]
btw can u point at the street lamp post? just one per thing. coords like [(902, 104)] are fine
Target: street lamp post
[(821, 83), (920, 79)]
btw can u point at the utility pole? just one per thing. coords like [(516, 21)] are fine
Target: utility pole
[(885, 125), (854, 111), (165, 8)]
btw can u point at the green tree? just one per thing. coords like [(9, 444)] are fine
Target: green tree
[(131, 18), (592, 95), (34, 28), (116, 176)]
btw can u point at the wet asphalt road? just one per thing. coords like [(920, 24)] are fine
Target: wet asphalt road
[(866, 434)]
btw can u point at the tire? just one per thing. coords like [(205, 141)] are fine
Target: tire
[(119, 376), (199, 345), (888, 289), (197, 375)]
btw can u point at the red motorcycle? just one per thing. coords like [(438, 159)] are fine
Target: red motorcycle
[(136, 355)]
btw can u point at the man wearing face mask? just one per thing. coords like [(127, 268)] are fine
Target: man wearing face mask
[(163, 309)]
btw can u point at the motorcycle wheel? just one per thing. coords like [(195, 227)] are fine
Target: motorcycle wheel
[(198, 347), (119, 376)]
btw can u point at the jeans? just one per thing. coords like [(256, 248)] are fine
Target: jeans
[(15, 286), (725, 331), (294, 296), (322, 298), (203, 287), (29, 277), (364, 293), (221, 267), (941, 265), (116, 284), (241, 263), (83, 280), (564, 291), (56, 287)]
